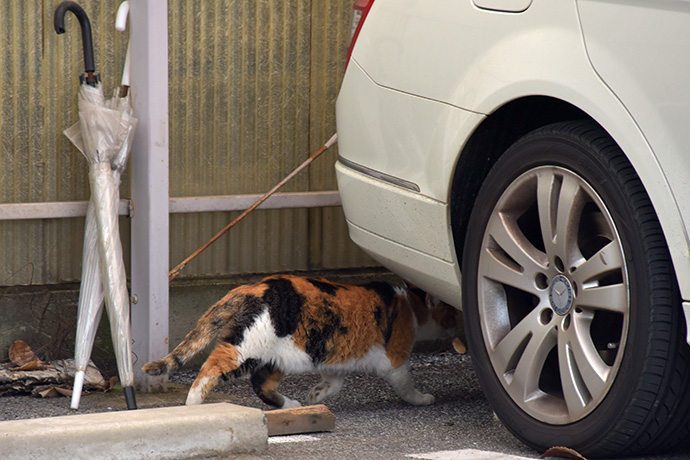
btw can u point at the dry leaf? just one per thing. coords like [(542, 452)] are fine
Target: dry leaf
[(562, 452), (36, 365), (52, 391), (111, 383), (459, 346), (49, 392), (24, 358), (21, 354), (64, 391)]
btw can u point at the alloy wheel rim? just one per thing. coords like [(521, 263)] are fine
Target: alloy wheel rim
[(553, 295)]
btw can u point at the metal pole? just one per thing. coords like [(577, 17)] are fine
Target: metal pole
[(150, 187)]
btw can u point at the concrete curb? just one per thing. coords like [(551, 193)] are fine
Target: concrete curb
[(166, 433)]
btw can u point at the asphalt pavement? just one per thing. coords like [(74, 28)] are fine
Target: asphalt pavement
[(371, 421)]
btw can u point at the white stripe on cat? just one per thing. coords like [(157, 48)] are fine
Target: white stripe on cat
[(374, 361), (260, 341), (194, 395)]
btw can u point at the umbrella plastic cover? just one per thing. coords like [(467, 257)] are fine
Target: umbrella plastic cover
[(104, 136)]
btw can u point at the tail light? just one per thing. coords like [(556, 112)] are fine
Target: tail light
[(361, 8)]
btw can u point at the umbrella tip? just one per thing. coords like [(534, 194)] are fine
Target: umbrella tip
[(130, 399), (76, 389)]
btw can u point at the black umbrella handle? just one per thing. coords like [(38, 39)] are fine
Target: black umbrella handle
[(87, 42)]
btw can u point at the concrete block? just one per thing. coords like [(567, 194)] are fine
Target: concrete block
[(166, 433)]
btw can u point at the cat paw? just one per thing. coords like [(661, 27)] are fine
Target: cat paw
[(290, 404), (317, 394), (423, 400), (155, 368), (194, 397)]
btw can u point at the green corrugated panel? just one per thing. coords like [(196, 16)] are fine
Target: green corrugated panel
[(330, 244), (252, 92), (39, 75), (259, 82), (240, 124)]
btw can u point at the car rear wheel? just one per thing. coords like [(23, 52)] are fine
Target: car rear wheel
[(571, 305)]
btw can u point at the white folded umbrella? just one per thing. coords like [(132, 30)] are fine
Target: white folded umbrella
[(104, 135)]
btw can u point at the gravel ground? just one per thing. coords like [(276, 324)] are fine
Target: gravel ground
[(447, 375), (371, 421)]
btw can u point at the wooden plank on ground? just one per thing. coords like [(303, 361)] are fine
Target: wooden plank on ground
[(307, 419)]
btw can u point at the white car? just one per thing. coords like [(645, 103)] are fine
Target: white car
[(528, 161)]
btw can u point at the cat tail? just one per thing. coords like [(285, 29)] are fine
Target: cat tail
[(207, 328)]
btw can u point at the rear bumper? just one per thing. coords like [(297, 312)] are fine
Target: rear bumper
[(405, 231)]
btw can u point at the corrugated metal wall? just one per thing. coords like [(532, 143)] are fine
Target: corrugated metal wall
[(252, 92)]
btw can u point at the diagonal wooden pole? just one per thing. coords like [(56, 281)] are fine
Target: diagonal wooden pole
[(176, 271)]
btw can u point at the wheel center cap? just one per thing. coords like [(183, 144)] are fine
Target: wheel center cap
[(561, 295)]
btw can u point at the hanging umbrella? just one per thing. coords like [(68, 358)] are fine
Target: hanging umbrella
[(104, 136)]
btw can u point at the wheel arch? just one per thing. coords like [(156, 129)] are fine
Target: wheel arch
[(488, 142), (500, 130)]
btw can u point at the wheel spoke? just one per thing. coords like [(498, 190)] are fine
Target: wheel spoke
[(510, 239), (612, 298), (558, 199), (504, 353), (496, 270), (583, 373), (566, 225), (545, 205), (519, 251), (528, 371), (609, 259), (524, 362)]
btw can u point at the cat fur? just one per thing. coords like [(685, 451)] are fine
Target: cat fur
[(289, 324)]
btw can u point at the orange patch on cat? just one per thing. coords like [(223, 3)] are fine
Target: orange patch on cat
[(272, 381), (359, 318), (223, 359), (444, 315), (257, 289), (354, 307), (399, 346), (419, 307)]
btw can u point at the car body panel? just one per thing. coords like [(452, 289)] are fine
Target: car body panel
[(401, 253), (401, 78), (630, 56), (417, 140)]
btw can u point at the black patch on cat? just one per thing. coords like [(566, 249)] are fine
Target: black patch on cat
[(383, 290), (179, 361), (245, 368), (384, 314), (251, 308), (419, 293), (384, 322), (318, 335), (326, 288), (259, 377), (387, 330), (284, 305), (378, 316)]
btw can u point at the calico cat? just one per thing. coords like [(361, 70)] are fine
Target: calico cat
[(290, 324)]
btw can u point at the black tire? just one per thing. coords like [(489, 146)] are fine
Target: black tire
[(615, 382)]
